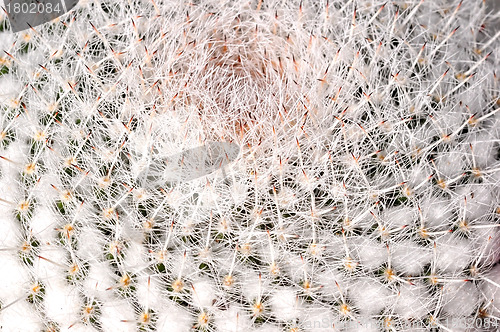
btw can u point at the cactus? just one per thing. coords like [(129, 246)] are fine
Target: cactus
[(361, 192)]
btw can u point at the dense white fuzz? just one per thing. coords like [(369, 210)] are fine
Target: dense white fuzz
[(371, 253), (62, 303), (174, 319), (51, 263), (251, 166), (459, 298), (437, 213), (285, 304), (9, 233), (370, 296), (100, 278), (410, 258), (232, 320), (452, 253), (316, 319), (15, 278), (118, 314), (268, 328), (205, 293), (21, 314), (44, 224), (490, 289), (92, 243), (413, 302)]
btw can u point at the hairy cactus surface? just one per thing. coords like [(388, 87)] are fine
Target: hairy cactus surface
[(234, 165)]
